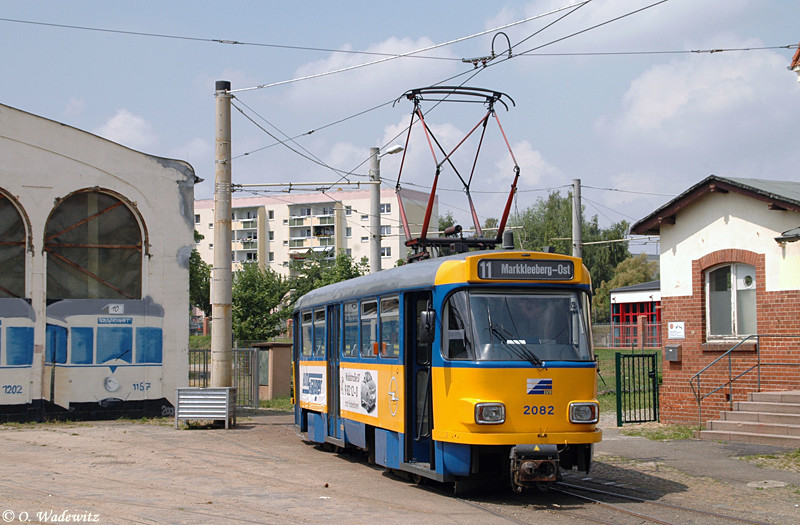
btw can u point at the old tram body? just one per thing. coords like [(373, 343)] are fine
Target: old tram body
[(468, 367)]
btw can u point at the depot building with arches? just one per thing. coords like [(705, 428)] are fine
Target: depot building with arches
[(95, 240)]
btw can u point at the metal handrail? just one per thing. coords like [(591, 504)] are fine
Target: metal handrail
[(729, 383)]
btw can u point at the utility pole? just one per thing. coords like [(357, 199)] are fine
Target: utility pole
[(221, 295), (577, 220), (374, 210)]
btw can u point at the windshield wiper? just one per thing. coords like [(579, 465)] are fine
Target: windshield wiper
[(518, 348)]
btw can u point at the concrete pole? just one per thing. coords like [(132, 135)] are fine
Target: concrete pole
[(374, 211), (221, 296), (577, 220)]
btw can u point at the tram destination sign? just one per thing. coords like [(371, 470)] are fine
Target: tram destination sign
[(533, 269)]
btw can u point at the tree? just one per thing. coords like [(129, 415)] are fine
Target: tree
[(199, 280), (548, 223), (317, 269), (545, 224), (446, 220), (633, 270), (259, 303), (602, 259)]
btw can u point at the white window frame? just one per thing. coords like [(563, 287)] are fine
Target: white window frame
[(743, 275)]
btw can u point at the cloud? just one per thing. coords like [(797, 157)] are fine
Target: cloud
[(129, 130), (75, 108), (627, 25), (362, 86), (714, 100), (535, 171)]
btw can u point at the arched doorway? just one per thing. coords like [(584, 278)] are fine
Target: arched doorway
[(94, 248)]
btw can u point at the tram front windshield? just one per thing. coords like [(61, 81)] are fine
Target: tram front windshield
[(534, 327)]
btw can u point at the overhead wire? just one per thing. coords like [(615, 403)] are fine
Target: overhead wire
[(590, 28), (344, 174), (410, 53), (574, 7), (661, 52), (630, 191), (219, 40)]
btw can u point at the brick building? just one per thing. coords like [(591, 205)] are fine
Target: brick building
[(730, 275)]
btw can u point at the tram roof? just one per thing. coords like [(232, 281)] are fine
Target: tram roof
[(414, 275)]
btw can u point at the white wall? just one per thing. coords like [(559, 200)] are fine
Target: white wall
[(723, 221), (44, 160)]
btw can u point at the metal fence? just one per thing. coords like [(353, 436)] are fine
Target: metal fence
[(626, 335), (245, 373), (637, 388)]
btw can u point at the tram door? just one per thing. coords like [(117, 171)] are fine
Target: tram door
[(333, 345), (418, 365)]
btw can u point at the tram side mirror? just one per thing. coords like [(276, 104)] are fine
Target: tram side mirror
[(427, 326)]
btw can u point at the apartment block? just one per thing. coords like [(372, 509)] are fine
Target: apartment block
[(273, 230)]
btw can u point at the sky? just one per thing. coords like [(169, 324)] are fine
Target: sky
[(624, 95)]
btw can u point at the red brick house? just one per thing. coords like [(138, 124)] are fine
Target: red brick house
[(730, 275)]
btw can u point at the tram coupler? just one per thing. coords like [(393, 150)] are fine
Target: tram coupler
[(531, 464)]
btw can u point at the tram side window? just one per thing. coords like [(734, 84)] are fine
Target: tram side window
[(351, 329), (457, 332), (319, 332), (307, 334), (369, 328), (390, 327)]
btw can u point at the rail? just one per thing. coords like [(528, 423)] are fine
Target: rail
[(696, 378)]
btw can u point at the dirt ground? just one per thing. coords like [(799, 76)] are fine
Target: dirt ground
[(259, 472)]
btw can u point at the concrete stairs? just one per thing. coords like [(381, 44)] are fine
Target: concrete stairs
[(769, 418)]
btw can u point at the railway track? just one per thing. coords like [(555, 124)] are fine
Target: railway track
[(651, 511), (574, 503)]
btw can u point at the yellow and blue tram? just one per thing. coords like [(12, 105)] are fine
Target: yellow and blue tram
[(472, 366)]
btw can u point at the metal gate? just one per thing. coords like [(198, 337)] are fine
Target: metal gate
[(245, 373), (637, 388)]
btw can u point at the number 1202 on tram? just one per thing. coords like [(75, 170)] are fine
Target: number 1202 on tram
[(472, 367)]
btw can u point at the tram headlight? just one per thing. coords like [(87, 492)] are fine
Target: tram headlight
[(490, 413), (584, 412)]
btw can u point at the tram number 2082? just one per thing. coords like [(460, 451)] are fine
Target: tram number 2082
[(540, 410)]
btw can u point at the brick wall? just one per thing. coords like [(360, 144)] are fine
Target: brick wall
[(777, 313)]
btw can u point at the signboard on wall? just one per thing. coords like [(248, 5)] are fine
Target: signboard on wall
[(676, 330)]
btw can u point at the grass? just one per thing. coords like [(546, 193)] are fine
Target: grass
[(606, 380), (281, 404), (788, 461), (661, 432), (199, 342)]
